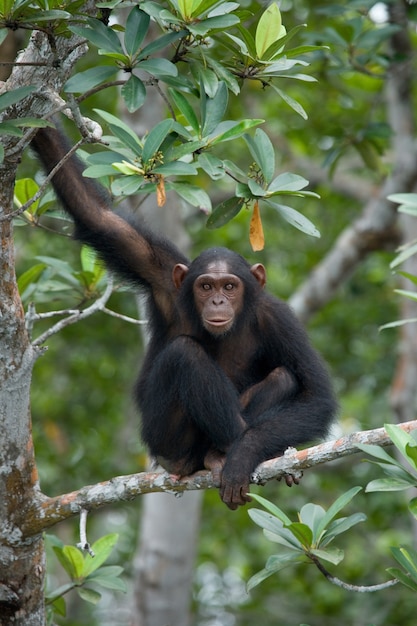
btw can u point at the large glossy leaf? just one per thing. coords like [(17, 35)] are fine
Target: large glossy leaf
[(194, 195), (228, 130), (186, 109), (333, 555), (161, 42), (134, 93), (122, 131), (137, 25), (102, 36), (83, 81), (296, 219), (335, 508), (102, 549), (262, 151), (225, 212), (339, 526), (213, 23), (269, 29), (214, 110), (159, 67), (11, 97)]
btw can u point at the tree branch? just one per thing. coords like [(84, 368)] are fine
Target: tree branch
[(49, 511)]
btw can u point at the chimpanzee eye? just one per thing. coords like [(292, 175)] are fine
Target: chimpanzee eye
[(206, 286), (229, 286)]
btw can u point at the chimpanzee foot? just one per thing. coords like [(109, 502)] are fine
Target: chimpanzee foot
[(214, 461)]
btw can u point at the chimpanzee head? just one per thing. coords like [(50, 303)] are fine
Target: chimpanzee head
[(217, 288)]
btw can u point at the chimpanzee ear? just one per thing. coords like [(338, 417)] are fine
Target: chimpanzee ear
[(178, 274), (259, 272)]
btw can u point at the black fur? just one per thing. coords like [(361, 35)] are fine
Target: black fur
[(246, 395)]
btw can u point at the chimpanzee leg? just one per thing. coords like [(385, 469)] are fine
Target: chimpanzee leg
[(188, 406), (278, 415)]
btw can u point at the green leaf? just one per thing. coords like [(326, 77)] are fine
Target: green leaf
[(220, 22), (122, 131), (100, 35), (228, 130), (259, 577), (126, 186), (399, 438), (262, 151), (408, 252), (155, 138), (89, 595), (159, 67), (48, 16), (268, 30), (30, 276), (287, 182), (295, 218), (404, 198), (332, 555), (389, 484), (311, 515), (224, 212), (137, 25), (224, 75), (161, 42), (59, 591), (268, 522), (412, 507), (83, 81), (271, 507), (407, 558), (378, 453), (213, 166), (176, 168), (302, 533), (403, 578), (209, 81), (296, 106), (276, 48), (194, 195), (71, 560), (215, 109), (186, 109), (134, 93), (102, 549), (109, 580), (97, 171), (11, 97), (335, 508), (285, 538), (339, 526)]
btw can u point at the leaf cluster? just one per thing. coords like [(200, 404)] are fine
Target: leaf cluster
[(308, 538), (85, 572), (399, 477)]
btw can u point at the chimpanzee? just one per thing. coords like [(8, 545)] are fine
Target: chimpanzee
[(230, 378)]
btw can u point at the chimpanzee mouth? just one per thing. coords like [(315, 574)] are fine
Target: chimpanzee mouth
[(218, 322)]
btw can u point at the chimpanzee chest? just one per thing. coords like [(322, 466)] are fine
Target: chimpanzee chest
[(244, 365)]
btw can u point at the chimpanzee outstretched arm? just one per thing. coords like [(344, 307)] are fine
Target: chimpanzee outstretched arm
[(127, 248)]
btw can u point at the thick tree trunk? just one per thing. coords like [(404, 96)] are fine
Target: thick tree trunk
[(21, 560)]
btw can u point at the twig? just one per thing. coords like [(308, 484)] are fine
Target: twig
[(98, 305), (347, 586), (84, 545)]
